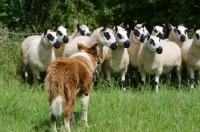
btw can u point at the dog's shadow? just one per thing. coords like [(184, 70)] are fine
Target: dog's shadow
[(45, 126)]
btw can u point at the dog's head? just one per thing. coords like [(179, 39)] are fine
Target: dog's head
[(92, 51)]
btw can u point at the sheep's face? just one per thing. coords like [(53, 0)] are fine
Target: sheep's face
[(158, 31), (62, 34), (181, 33), (153, 43), (121, 37), (107, 38), (197, 37), (84, 30), (51, 39), (140, 33)]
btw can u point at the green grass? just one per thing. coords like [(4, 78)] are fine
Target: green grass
[(24, 107)]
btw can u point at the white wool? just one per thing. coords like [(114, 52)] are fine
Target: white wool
[(56, 106), (150, 62), (116, 61), (40, 54)]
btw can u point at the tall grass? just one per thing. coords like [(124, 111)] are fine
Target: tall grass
[(24, 107)]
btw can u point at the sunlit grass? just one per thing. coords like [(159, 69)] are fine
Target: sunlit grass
[(24, 107)]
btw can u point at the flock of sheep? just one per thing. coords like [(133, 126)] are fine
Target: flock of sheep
[(142, 52)]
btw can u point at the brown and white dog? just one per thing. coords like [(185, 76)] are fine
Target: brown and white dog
[(68, 78)]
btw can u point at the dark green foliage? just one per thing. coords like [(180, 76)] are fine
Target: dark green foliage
[(35, 15)]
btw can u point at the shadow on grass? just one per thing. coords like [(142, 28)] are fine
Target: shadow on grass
[(45, 126)]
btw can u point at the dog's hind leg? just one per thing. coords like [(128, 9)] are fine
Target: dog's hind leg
[(85, 101), (70, 106), (53, 122)]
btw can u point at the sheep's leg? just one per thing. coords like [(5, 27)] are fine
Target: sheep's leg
[(157, 77), (192, 78), (143, 77), (53, 122), (123, 74), (85, 101)]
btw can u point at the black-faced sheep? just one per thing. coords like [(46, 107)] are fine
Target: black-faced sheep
[(157, 59), (137, 37), (192, 57), (40, 52), (117, 61)]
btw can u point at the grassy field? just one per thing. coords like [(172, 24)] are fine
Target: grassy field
[(24, 107)]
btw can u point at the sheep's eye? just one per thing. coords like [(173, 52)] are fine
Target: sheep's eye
[(186, 31), (178, 32), (59, 33), (155, 31), (50, 37), (136, 32), (197, 35), (82, 32), (119, 36), (151, 42), (107, 35)]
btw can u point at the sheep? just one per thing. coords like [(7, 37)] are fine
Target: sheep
[(157, 59), (40, 53), (136, 37), (178, 35), (117, 61), (61, 33), (24, 49), (82, 30), (63, 38), (158, 31), (192, 57), (102, 35)]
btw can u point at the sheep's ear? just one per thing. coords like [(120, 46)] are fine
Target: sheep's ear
[(127, 27), (135, 23), (153, 28), (104, 27), (116, 29), (122, 25), (78, 27), (45, 31), (144, 23), (170, 26), (195, 28), (163, 25)]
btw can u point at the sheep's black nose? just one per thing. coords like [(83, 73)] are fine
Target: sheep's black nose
[(65, 39), (161, 36), (127, 44), (88, 34), (159, 50), (142, 38), (182, 38), (114, 46), (57, 44)]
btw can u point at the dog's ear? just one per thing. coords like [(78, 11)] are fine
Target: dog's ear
[(94, 47), (80, 46)]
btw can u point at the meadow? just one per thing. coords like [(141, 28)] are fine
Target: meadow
[(24, 106)]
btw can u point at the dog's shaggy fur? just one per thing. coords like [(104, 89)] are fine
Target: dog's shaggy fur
[(68, 78)]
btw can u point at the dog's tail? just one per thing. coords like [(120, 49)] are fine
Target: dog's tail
[(56, 106), (55, 96)]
